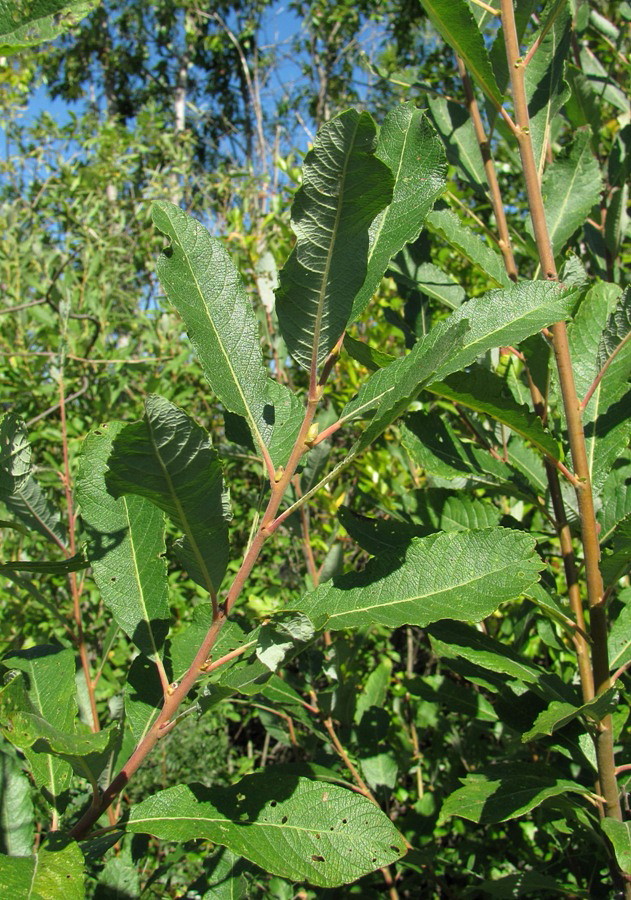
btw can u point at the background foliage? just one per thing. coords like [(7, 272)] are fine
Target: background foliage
[(475, 740)]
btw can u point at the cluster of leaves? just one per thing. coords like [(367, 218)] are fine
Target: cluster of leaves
[(417, 449)]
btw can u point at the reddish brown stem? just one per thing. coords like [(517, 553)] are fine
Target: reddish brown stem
[(589, 531)]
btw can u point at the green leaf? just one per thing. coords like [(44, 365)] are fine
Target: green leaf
[(75, 563), (434, 446), (144, 696), (378, 536), (462, 513), (169, 459), (50, 873), (456, 24), (408, 145), (571, 186), (459, 641), (546, 91), (606, 421), (24, 23), (375, 690), (344, 187), (185, 643), (18, 489), (46, 688), (506, 317), (464, 575), (617, 563), (619, 833), (85, 751), (446, 224), (302, 830), (200, 280), (620, 635), (559, 714), (454, 125), (126, 548), (616, 501), (368, 356), (617, 333), (435, 283), (392, 389), (496, 794), (17, 824), (226, 878), (485, 392)]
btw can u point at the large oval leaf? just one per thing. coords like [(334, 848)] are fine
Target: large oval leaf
[(290, 826), (463, 575)]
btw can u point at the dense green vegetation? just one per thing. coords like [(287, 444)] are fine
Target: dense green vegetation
[(314, 467)]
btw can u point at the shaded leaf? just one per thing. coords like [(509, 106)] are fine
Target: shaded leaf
[(169, 459), (616, 501), (75, 563), (620, 635), (17, 820), (290, 826), (571, 186), (617, 331), (455, 127), (46, 688), (464, 575), (447, 225), (496, 795), (378, 536), (18, 489), (410, 148), (619, 833), (126, 547), (485, 392), (50, 873), (344, 187), (202, 283), (368, 356), (559, 714), (546, 91)]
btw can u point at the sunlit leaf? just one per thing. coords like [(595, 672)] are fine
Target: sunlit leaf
[(344, 187), (299, 829), (464, 575)]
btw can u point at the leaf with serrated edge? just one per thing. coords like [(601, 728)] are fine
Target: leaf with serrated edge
[(571, 187), (50, 691), (446, 223), (485, 392), (299, 829), (126, 548), (410, 148), (344, 187), (559, 714), (546, 91), (619, 833), (28, 24), (496, 795), (202, 283), (169, 459), (457, 26), (464, 575)]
